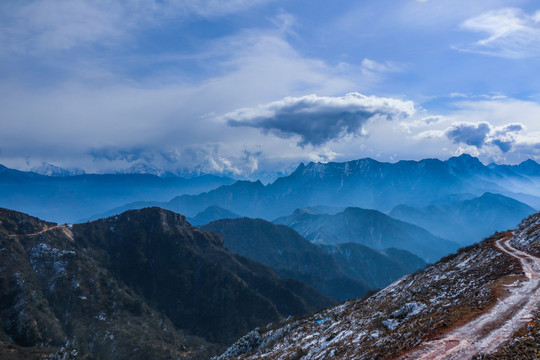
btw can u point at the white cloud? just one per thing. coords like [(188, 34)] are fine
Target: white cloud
[(425, 121), (429, 134), (118, 102), (373, 66), (536, 16), (499, 112), (466, 149), (324, 155), (119, 122), (511, 33)]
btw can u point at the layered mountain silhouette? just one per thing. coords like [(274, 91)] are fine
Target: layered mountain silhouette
[(480, 302), (143, 284), (370, 228), (72, 198), (475, 218), (344, 271), (212, 213), (364, 183)]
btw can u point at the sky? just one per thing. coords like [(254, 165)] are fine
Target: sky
[(251, 88)]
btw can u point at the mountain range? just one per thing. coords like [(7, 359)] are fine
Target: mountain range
[(476, 217), (68, 199), (343, 271), (364, 183), (370, 228)]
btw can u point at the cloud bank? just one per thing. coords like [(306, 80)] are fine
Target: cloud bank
[(319, 119)]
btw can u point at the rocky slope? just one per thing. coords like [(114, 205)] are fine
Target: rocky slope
[(343, 271), (143, 284), (528, 235), (488, 292)]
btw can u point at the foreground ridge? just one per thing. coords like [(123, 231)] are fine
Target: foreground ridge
[(486, 333), (479, 303), (145, 284)]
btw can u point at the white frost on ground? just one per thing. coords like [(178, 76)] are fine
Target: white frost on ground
[(486, 333)]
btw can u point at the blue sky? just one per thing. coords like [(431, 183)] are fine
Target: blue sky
[(252, 88)]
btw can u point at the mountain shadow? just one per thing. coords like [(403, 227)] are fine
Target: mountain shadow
[(342, 271)]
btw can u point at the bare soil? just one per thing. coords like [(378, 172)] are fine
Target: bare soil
[(516, 306)]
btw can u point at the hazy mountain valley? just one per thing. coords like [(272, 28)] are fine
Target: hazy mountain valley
[(148, 283), (271, 180)]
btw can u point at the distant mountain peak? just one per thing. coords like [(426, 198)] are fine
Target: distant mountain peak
[(142, 168), (465, 161), (530, 166), (53, 170), (163, 217), (246, 184), (300, 167), (304, 211), (212, 213)]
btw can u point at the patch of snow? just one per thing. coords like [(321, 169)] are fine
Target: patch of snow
[(391, 324), (409, 309), (247, 343)]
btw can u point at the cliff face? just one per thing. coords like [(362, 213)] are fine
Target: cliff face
[(143, 284)]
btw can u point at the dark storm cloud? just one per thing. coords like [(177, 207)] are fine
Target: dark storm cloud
[(474, 134), (482, 133), (317, 119), (504, 145), (504, 137), (516, 127)]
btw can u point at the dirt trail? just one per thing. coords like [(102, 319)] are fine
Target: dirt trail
[(487, 332), (39, 232)]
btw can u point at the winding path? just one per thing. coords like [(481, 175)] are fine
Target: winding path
[(487, 332), (39, 232)]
